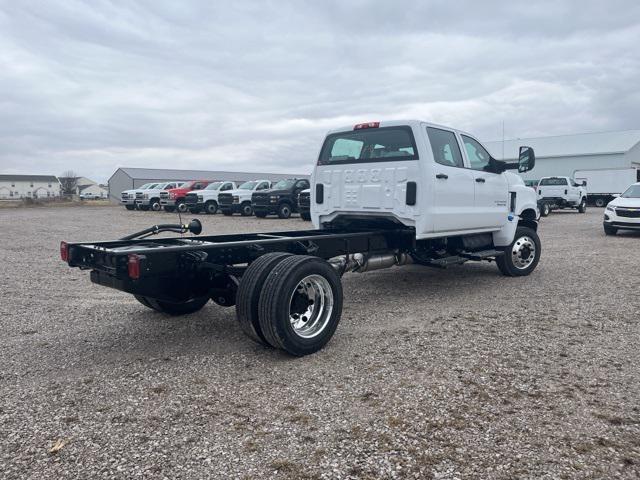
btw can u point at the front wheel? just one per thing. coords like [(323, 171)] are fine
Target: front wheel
[(181, 206), (582, 208), (284, 211), (522, 256), (211, 207), (247, 209), (155, 205), (300, 304), (609, 230)]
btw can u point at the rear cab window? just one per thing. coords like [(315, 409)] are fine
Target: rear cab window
[(369, 145), (553, 181)]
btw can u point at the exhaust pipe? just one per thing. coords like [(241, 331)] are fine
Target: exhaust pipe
[(360, 263)]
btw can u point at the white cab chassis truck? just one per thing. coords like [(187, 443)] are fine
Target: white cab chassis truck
[(560, 193), (382, 195), (206, 200)]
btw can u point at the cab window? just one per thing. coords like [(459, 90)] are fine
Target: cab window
[(263, 186), (553, 181), (227, 186), (302, 184), (478, 157), (445, 147)]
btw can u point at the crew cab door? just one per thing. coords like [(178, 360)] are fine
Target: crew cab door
[(453, 194), (491, 190)]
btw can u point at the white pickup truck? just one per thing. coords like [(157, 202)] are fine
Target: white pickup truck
[(149, 199), (207, 198), (559, 193), (239, 200), (128, 197)]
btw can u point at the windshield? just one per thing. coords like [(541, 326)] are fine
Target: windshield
[(632, 192), (145, 186), (161, 186), (284, 184), (214, 186), (247, 186), (369, 145), (149, 185)]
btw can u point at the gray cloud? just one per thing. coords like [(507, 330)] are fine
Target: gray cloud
[(254, 86)]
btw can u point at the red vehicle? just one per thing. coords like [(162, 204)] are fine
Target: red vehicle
[(174, 198)]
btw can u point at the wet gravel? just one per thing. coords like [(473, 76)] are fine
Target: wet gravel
[(460, 373)]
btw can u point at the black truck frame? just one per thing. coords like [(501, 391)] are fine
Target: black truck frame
[(285, 285)]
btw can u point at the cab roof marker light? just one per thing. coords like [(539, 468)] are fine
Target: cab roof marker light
[(362, 126)]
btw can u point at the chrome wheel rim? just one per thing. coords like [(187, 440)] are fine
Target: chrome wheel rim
[(156, 207), (182, 207), (310, 306), (523, 252), (285, 211)]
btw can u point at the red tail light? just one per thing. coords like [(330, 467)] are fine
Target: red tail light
[(133, 266), (361, 126), (64, 251)]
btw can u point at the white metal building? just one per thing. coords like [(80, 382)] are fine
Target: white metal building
[(129, 178), (564, 154), (28, 186)]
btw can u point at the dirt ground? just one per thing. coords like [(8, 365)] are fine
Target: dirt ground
[(457, 373)]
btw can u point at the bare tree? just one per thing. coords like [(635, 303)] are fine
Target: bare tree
[(69, 182)]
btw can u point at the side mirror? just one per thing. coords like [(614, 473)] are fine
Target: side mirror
[(526, 159)]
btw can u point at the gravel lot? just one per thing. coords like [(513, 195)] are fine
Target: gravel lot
[(460, 373)]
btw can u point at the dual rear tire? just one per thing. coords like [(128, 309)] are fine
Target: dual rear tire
[(290, 302)]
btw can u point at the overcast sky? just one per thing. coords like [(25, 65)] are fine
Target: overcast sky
[(94, 85)]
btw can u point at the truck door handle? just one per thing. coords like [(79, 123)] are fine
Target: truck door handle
[(565, 192), (480, 180), (442, 175)]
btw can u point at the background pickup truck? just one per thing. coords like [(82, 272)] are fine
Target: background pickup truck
[(174, 198), (561, 192), (279, 200), (239, 200), (128, 197), (207, 199), (149, 199)]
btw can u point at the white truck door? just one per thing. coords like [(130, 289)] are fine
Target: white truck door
[(453, 199), (367, 170), (491, 190)]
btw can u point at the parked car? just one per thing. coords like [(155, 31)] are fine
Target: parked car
[(385, 194), (149, 199), (174, 198), (623, 213), (239, 200), (207, 198), (280, 199), (128, 197), (304, 204), (89, 196), (559, 193)]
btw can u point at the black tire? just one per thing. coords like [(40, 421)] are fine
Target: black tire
[(211, 207), (144, 208), (130, 207), (169, 209), (248, 296), (599, 202), (306, 216), (582, 208), (227, 213), (545, 210), (154, 204), (144, 301), (524, 239), (284, 210), (609, 230), (281, 296), (260, 214), (181, 206), (246, 210), (176, 309)]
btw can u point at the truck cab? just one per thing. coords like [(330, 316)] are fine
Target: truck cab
[(174, 198), (279, 200), (128, 197), (149, 199), (561, 192), (239, 200), (207, 199), (437, 180)]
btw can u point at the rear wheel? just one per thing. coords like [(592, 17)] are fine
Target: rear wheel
[(609, 230), (599, 202), (211, 207), (545, 210), (249, 294), (582, 208), (130, 207), (300, 305), (246, 210), (306, 216), (183, 308), (522, 256)]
